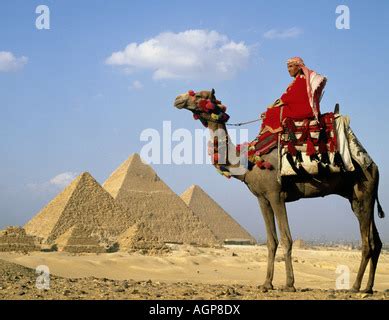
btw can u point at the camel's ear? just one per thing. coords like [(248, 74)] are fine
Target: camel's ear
[(336, 111)]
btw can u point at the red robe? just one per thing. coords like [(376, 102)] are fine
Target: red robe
[(295, 105)]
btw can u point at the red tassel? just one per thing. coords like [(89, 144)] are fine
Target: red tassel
[(196, 116), (332, 146), (305, 135), (267, 165), (310, 148), (209, 106), (259, 164), (291, 148), (191, 93), (223, 108), (243, 147), (215, 158), (251, 153), (202, 105)]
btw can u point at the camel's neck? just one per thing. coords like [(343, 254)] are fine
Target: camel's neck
[(226, 149)]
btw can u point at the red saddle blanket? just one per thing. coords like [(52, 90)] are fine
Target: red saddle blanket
[(314, 138), (310, 136)]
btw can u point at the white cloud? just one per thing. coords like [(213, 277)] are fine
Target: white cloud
[(136, 85), (54, 184), (63, 179), (283, 34), (8, 62), (192, 54)]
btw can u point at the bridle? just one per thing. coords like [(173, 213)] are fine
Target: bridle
[(208, 109), (212, 110)]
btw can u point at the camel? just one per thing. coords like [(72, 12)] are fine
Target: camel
[(360, 187)]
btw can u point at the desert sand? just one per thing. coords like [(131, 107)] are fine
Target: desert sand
[(186, 272)]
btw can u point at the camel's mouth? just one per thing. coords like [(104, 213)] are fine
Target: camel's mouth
[(179, 102)]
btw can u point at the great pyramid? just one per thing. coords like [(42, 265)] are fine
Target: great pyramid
[(159, 212), (16, 239), (82, 204), (223, 226)]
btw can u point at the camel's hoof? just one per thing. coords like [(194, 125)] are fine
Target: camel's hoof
[(367, 290), (266, 287), (288, 289), (354, 290), (263, 289)]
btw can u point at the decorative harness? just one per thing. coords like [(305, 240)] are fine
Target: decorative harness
[(212, 110), (209, 110)]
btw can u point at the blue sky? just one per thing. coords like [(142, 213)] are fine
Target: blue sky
[(65, 110)]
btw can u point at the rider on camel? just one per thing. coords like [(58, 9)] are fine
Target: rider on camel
[(300, 101)]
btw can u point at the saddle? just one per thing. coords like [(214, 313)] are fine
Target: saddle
[(310, 146), (307, 146)]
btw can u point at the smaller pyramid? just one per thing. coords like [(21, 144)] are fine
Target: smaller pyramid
[(223, 226), (139, 237), (83, 204), (80, 239), (16, 239)]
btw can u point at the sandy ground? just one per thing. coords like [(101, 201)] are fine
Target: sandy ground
[(232, 272)]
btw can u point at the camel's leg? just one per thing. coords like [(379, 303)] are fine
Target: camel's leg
[(376, 245), (363, 209), (279, 208), (272, 241), (374, 239)]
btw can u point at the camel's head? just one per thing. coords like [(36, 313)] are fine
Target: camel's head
[(191, 99), (203, 105)]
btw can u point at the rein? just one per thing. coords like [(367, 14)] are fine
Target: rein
[(242, 123)]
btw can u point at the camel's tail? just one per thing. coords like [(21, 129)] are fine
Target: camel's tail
[(381, 212)]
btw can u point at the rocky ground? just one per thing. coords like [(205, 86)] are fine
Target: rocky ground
[(19, 283)]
